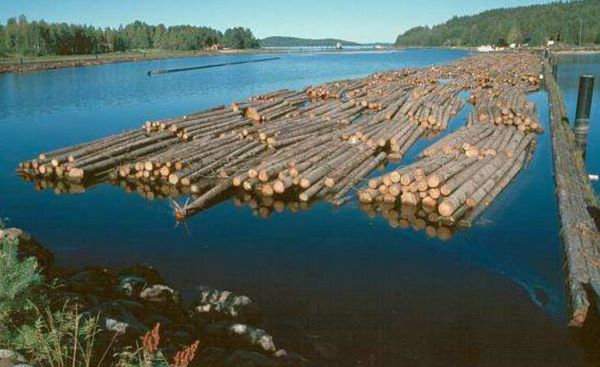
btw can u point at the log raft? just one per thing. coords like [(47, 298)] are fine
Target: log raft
[(318, 143), (455, 179)]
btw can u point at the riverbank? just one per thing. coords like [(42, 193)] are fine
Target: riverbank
[(125, 304), (33, 64)]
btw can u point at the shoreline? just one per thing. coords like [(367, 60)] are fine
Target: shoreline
[(129, 301), (43, 63)]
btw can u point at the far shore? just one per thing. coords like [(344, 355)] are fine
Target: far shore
[(17, 64)]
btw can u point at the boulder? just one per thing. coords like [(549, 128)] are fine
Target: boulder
[(144, 271), (159, 293), (97, 281), (214, 305), (8, 358), (130, 285)]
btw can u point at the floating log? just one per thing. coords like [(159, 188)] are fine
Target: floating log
[(323, 141)]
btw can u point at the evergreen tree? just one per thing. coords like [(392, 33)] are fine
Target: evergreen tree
[(41, 38), (536, 23), (514, 35)]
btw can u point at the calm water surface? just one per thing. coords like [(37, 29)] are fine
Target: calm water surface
[(335, 285)]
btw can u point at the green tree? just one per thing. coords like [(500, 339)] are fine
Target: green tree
[(41, 38), (515, 25), (239, 38), (514, 35)]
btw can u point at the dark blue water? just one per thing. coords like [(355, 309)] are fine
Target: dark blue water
[(569, 72), (334, 284)]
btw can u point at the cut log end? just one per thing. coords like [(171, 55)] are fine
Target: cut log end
[(173, 179), (76, 174), (446, 209)]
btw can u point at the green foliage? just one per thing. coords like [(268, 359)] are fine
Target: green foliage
[(239, 38), (279, 41), (535, 24), (59, 339), (41, 38), (17, 284), (514, 35)]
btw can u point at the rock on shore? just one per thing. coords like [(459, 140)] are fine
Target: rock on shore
[(131, 300)]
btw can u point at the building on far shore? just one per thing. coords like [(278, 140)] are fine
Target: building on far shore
[(485, 48), (215, 47)]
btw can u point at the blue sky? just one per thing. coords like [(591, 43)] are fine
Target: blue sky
[(355, 20)]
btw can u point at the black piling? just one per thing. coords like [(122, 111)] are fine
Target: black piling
[(584, 107)]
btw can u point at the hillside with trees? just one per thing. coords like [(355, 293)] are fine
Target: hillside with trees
[(41, 38), (560, 21), (280, 41)]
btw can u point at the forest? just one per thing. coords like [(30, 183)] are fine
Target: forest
[(280, 41), (572, 23), (38, 38)]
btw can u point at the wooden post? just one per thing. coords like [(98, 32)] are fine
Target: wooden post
[(584, 107)]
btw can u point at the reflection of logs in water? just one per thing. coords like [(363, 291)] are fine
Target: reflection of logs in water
[(409, 216), (264, 207)]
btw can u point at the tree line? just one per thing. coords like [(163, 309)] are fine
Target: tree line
[(39, 38), (572, 22)]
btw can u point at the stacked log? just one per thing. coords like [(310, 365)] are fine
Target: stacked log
[(507, 106), (456, 178), (455, 175)]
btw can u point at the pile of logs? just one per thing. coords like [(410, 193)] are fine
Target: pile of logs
[(320, 143), (505, 107), (456, 178), (463, 171)]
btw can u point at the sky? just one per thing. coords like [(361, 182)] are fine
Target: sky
[(354, 20)]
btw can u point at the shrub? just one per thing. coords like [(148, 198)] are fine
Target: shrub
[(60, 339), (17, 288)]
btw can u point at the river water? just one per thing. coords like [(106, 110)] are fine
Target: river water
[(335, 285)]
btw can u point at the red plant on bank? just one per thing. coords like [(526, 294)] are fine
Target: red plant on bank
[(151, 339), (184, 357)]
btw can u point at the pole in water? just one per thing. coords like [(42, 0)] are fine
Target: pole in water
[(584, 107)]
